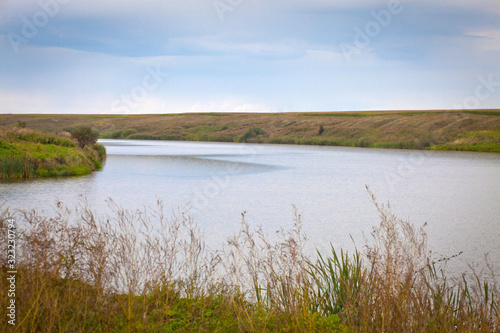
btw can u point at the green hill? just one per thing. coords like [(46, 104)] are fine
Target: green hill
[(473, 130)]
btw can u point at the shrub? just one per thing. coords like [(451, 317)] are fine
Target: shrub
[(251, 133), (101, 151), (85, 135), (321, 130)]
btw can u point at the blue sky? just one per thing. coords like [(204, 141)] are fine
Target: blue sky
[(161, 56)]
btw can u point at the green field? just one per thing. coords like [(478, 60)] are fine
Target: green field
[(29, 154), (472, 130)]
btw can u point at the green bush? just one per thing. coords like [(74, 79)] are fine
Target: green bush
[(85, 136), (253, 132), (101, 151)]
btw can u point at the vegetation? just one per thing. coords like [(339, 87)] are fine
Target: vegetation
[(253, 132), (85, 136), (140, 271), (321, 129), (471, 130), (119, 134), (482, 141), (28, 154)]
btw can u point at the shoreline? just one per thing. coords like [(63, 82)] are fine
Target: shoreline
[(464, 130)]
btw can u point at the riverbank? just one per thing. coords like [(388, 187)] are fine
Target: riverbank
[(86, 273), (472, 130), (29, 154)]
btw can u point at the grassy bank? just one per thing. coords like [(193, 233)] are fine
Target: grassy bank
[(141, 271), (28, 154), (471, 130)]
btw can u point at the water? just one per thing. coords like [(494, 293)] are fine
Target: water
[(456, 193)]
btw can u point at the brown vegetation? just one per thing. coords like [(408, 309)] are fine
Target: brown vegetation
[(458, 130), (140, 271)]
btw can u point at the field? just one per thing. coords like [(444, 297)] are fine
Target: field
[(473, 130)]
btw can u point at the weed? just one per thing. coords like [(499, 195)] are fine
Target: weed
[(143, 271)]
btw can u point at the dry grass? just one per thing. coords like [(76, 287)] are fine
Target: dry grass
[(141, 271), (457, 130)]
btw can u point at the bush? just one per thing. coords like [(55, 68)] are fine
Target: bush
[(251, 133), (85, 135), (321, 130), (101, 150)]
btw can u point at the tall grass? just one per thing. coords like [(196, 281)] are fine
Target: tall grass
[(28, 154), (143, 271), (17, 167)]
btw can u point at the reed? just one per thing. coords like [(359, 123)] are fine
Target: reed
[(140, 270), (17, 167)]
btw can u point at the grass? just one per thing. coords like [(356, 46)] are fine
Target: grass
[(119, 134), (29, 154), (480, 141), (141, 271), (434, 129)]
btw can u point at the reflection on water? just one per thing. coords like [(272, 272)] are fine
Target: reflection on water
[(183, 166), (455, 193)]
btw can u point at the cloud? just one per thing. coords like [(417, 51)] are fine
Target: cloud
[(263, 55)]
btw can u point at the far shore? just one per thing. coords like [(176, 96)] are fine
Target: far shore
[(462, 130)]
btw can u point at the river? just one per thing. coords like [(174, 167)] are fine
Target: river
[(456, 193)]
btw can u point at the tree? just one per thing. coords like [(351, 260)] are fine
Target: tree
[(85, 135)]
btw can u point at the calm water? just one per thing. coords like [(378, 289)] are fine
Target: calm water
[(457, 194)]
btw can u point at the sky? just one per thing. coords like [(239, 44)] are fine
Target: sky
[(163, 56)]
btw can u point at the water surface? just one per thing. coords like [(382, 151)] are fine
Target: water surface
[(456, 193)]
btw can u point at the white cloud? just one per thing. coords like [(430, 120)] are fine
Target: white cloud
[(265, 56)]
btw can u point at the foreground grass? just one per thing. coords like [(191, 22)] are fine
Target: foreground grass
[(28, 154), (144, 272), (446, 130)]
